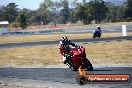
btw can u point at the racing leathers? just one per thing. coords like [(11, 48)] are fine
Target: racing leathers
[(64, 49)]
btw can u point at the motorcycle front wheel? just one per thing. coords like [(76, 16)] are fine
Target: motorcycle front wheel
[(72, 66), (88, 65)]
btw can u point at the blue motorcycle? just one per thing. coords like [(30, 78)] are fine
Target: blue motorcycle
[(96, 34)]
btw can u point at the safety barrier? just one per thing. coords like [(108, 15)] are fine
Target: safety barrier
[(32, 32)]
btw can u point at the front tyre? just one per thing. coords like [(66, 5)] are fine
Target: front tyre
[(88, 65), (72, 66)]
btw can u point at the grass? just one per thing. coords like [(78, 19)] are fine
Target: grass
[(98, 53), (8, 39), (110, 52)]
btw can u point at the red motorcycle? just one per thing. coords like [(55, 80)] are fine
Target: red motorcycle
[(77, 58)]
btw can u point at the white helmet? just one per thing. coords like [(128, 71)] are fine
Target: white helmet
[(98, 26)]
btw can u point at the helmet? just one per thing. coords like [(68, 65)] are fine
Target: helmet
[(64, 39), (98, 26)]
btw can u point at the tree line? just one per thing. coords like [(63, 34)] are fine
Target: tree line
[(64, 11)]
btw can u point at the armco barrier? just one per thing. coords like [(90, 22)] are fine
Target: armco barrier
[(33, 32), (3, 31)]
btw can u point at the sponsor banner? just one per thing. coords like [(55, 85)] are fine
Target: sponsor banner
[(83, 78), (103, 78)]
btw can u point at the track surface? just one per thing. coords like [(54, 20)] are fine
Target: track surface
[(58, 77), (25, 44)]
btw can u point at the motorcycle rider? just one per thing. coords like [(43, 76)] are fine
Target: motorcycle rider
[(64, 48), (99, 29)]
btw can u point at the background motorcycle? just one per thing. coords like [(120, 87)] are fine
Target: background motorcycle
[(77, 58), (96, 34)]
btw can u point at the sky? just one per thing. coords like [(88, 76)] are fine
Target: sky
[(30, 4)]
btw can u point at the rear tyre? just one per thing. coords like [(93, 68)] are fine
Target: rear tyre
[(72, 66), (100, 36)]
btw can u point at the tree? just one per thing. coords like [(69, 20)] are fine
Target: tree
[(21, 19), (74, 4), (121, 13), (44, 14), (129, 9), (65, 12), (93, 10), (73, 16), (10, 12), (85, 13), (1, 13), (73, 12), (29, 15), (112, 14), (99, 10)]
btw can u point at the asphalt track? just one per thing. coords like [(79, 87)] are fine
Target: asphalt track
[(58, 77), (37, 43)]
